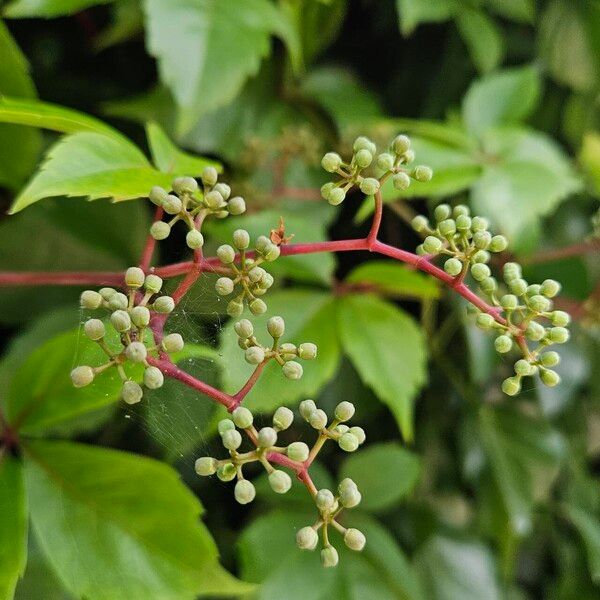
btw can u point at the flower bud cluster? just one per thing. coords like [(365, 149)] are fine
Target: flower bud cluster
[(284, 354), (130, 316), (191, 205), (391, 163), (247, 278)]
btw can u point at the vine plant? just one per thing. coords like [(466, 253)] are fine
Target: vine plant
[(519, 314)]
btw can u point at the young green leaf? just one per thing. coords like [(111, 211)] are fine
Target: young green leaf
[(482, 37), (412, 13), (19, 9)]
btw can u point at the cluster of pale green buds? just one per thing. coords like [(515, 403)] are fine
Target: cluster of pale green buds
[(190, 205), (130, 316), (247, 278), (393, 162), (284, 354), (464, 239), (523, 307)]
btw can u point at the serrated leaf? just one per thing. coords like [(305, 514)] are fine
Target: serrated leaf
[(388, 350), (309, 317), (13, 524), (373, 468), (120, 549), (482, 37), (92, 165), (19, 9)]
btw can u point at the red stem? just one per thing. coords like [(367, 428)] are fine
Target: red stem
[(150, 244), (243, 392)]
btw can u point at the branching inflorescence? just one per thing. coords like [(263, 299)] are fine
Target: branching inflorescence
[(516, 311)]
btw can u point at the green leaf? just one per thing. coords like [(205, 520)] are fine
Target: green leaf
[(522, 11), (127, 22), (309, 317), (120, 549), (19, 148), (524, 455), (482, 37), (380, 571), (453, 569), (47, 8), (207, 49), (412, 13), (387, 349), (13, 524), (52, 116), (395, 279), (588, 527), (169, 159), (589, 158), (93, 166), (507, 96), (373, 468)]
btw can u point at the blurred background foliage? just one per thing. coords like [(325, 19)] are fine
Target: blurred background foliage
[(467, 494)]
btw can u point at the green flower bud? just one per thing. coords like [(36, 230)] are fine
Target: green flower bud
[(131, 392), (236, 206), (331, 162), (235, 308), (307, 538), (341, 429), (432, 245), (518, 286), (336, 196), (118, 301), (140, 316), (489, 285), (157, 195), (329, 557), (307, 351), (535, 331), (479, 271), (205, 466), (560, 318), (223, 189), (194, 239), (365, 143), (226, 472), (481, 256), (288, 351), (107, 292), (503, 344), (172, 205), (242, 417), (401, 144), (479, 224), (453, 266), (224, 286), (244, 328), (460, 209), (164, 304), (267, 437), (386, 161), (153, 283), (485, 321), (225, 425), (82, 376), (209, 176), (355, 539), (358, 433), (401, 181), (369, 186), (558, 335), (90, 300), (549, 377), (153, 378), (498, 244), (325, 500), (121, 321), (422, 173), (326, 189), (257, 306), (363, 158), (442, 212), (214, 200), (276, 327), (226, 254), (447, 227), (344, 411), (272, 253), (283, 418), (420, 223), (307, 408), (172, 343), (348, 442), (539, 303), (254, 355), (511, 272), (550, 288), (482, 239), (511, 386), (318, 419), (463, 223), (94, 329), (136, 352), (244, 491), (280, 481), (347, 484), (533, 290), (350, 497), (160, 230), (184, 185), (550, 359), (298, 451), (523, 368), (509, 302), (241, 239), (292, 369), (232, 439)]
